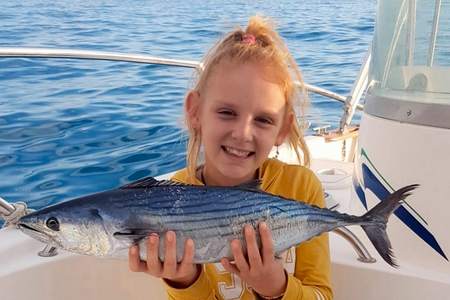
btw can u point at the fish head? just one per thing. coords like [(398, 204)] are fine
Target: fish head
[(80, 231)]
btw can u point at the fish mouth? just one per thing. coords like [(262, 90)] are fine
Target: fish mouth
[(28, 227), (37, 234)]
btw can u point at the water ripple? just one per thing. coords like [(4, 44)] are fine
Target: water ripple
[(73, 127)]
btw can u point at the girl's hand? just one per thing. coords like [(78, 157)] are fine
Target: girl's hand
[(178, 275), (261, 271)]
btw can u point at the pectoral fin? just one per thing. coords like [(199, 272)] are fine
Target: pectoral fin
[(132, 235)]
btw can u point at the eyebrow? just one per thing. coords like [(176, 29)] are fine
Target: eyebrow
[(224, 103)]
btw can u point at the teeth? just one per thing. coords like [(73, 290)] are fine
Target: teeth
[(237, 152)]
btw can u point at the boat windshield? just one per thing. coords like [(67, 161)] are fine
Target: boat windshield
[(411, 51)]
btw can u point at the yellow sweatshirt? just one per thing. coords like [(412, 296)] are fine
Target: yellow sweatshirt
[(308, 264)]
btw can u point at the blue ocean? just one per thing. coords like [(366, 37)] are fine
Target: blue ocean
[(73, 127)]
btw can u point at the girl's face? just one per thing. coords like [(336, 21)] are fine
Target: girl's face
[(241, 115)]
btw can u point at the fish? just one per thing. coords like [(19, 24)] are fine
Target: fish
[(106, 224)]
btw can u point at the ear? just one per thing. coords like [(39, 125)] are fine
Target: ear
[(285, 129), (191, 107)]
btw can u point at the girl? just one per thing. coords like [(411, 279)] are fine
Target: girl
[(242, 106)]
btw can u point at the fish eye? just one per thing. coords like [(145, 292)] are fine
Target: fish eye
[(53, 224)]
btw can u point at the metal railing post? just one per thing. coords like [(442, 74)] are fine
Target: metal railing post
[(432, 45), (5, 208)]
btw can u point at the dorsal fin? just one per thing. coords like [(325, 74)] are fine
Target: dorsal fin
[(149, 182), (252, 185)]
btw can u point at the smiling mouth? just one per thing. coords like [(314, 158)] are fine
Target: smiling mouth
[(237, 152)]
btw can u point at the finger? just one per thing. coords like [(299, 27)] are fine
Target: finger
[(268, 252), (134, 261), (170, 255), (229, 267), (188, 256), (254, 257), (239, 259), (154, 265)]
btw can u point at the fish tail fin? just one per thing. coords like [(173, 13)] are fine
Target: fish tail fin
[(376, 219)]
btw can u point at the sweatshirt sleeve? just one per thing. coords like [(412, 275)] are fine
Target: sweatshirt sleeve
[(311, 279)]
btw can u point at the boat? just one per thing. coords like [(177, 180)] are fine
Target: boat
[(403, 138)]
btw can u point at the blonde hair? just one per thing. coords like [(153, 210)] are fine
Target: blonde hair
[(267, 48)]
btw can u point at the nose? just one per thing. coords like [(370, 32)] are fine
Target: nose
[(243, 130)]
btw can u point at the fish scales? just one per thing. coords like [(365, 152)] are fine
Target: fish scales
[(108, 223)]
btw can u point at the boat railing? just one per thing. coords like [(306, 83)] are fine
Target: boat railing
[(351, 103), (95, 55), (360, 85), (12, 212), (434, 30), (362, 252), (5, 208)]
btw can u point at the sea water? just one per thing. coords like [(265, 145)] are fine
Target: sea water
[(73, 127)]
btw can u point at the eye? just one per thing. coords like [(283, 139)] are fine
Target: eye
[(264, 120), (53, 224), (226, 112)]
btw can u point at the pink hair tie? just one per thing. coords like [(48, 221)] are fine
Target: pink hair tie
[(248, 39)]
